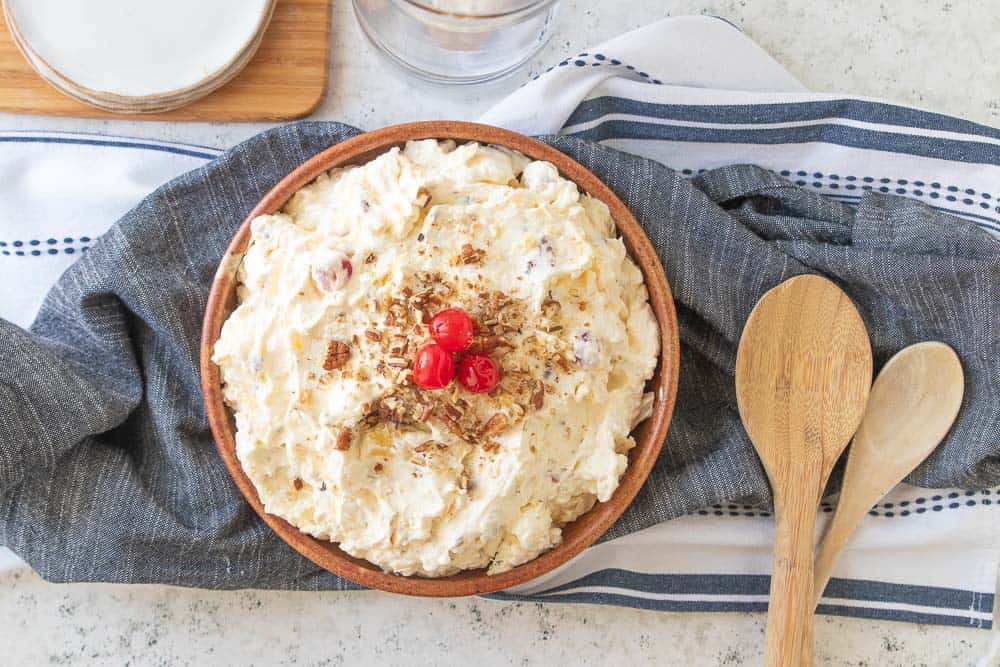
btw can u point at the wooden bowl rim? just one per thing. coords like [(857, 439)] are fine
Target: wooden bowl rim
[(649, 436)]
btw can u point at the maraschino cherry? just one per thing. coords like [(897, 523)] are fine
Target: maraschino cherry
[(478, 373), (433, 368), (452, 329)]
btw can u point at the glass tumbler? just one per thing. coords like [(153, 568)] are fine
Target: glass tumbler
[(458, 41)]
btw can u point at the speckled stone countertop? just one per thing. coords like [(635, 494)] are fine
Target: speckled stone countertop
[(943, 56)]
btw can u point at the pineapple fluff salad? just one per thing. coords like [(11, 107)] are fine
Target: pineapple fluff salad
[(335, 294)]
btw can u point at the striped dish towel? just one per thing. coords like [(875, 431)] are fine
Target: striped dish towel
[(693, 93)]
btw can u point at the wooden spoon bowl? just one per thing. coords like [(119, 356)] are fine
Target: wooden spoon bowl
[(649, 436), (803, 373), (914, 401)]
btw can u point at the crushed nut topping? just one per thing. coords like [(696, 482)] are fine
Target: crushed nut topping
[(494, 425), (398, 362), (451, 424), (344, 438), (498, 320), (488, 344), (561, 361), (337, 354), (430, 444), (538, 395), (297, 483), (470, 255), (425, 414)]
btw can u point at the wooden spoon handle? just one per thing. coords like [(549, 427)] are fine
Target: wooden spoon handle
[(850, 511), (789, 640)]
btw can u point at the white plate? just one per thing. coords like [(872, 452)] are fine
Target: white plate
[(138, 48), (133, 105)]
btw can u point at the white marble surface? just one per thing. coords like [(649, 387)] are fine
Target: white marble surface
[(944, 56)]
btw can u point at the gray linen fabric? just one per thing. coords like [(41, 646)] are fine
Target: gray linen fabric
[(108, 471)]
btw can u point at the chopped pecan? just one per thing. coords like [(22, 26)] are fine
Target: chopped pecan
[(373, 335), (428, 277), (391, 410), (398, 312), (344, 438), (560, 361), (297, 483), (495, 424), (337, 354), (487, 344), (378, 467), (429, 444), (450, 424), (470, 255), (490, 445), (538, 395)]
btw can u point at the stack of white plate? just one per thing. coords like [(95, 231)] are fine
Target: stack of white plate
[(138, 56)]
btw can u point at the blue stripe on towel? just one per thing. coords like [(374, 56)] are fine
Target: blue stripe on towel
[(99, 137), (987, 223), (625, 600), (790, 112), (759, 584), (943, 149), (904, 615), (175, 149)]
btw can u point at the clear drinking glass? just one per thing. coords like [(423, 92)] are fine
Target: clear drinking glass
[(458, 41)]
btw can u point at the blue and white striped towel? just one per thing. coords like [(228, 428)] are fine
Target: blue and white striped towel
[(693, 93)]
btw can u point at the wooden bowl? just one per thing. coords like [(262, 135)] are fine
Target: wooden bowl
[(649, 436)]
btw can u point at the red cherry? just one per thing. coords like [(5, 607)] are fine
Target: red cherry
[(330, 279), (478, 373), (433, 367), (452, 329)]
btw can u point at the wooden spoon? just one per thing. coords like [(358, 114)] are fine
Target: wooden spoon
[(803, 373), (913, 403)]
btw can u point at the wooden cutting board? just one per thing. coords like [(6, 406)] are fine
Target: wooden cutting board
[(286, 78)]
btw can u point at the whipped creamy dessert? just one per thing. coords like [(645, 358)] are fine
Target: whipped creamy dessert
[(336, 296)]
